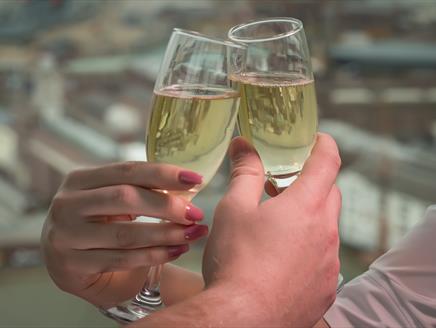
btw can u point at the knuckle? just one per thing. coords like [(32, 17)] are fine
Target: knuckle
[(128, 168), (309, 193), (52, 237), (124, 236), (171, 235), (151, 257), (57, 206), (121, 260), (162, 237), (333, 237), (158, 172), (124, 194), (173, 204), (243, 169)]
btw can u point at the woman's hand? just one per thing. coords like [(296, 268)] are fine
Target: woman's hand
[(91, 246)]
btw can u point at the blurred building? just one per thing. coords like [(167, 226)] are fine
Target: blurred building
[(377, 91), (386, 187)]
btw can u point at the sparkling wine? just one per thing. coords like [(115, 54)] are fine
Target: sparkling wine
[(278, 114), (191, 126)]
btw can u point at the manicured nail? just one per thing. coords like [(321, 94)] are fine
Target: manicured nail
[(190, 177), (196, 231), (193, 213), (174, 251)]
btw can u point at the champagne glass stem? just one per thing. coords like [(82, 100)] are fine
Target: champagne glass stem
[(149, 296), (146, 302)]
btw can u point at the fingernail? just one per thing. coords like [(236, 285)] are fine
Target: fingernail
[(196, 231), (190, 177), (174, 251), (193, 213)]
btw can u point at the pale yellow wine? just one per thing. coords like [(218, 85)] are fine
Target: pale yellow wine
[(278, 114), (191, 126)]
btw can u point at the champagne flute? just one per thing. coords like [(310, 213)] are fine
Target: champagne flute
[(278, 111), (191, 123)]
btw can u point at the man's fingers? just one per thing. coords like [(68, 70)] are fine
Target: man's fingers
[(143, 174), (334, 203), (320, 170), (247, 175), (332, 214), (107, 260), (122, 199), (132, 235)]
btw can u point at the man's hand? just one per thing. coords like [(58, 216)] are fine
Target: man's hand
[(270, 264), (282, 253)]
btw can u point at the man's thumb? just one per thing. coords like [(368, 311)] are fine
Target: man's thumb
[(247, 175)]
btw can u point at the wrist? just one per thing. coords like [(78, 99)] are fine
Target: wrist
[(219, 305), (243, 305)]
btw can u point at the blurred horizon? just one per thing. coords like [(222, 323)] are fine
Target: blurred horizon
[(76, 80)]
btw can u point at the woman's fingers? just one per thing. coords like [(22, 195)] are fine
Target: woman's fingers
[(142, 174), (122, 199), (108, 260), (132, 235)]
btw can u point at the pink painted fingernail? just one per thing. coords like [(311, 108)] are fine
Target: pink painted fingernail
[(196, 231), (174, 251), (190, 177), (193, 213)]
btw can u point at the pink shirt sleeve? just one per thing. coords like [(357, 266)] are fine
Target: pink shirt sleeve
[(398, 290)]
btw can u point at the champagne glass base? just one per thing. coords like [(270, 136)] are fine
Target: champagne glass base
[(144, 304), (281, 182)]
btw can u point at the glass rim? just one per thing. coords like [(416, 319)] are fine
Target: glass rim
[(207, 38), (251, 39)]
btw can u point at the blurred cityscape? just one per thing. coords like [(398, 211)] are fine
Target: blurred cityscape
[(76, 79)]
